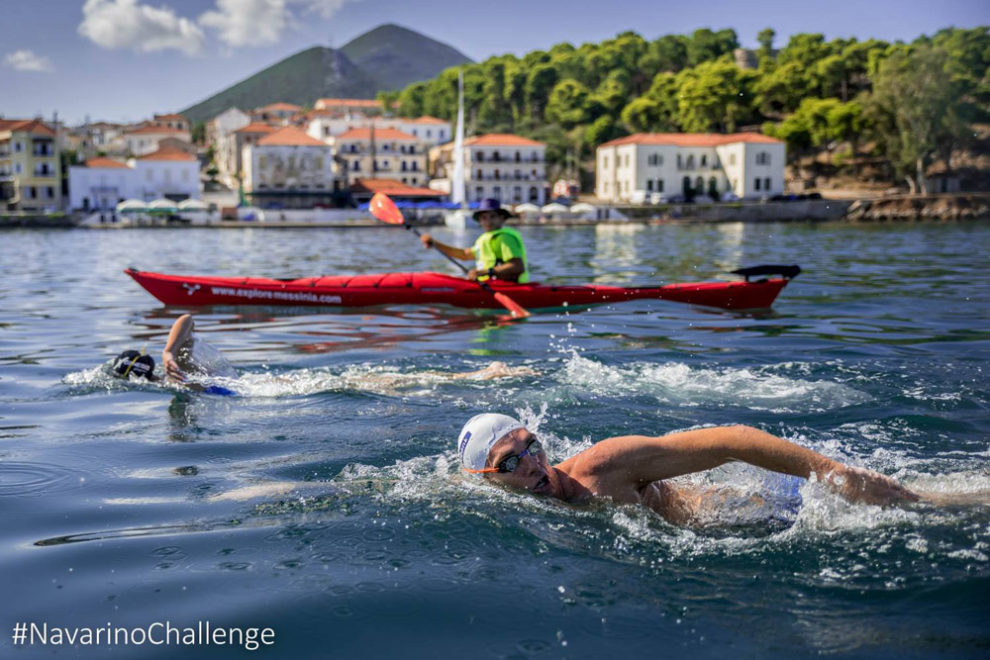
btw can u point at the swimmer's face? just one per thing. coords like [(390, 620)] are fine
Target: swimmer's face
[(531, 473)]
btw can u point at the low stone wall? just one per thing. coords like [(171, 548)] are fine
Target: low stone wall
[(805, 209), (943, 208)]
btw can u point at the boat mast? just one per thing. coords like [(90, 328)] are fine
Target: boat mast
[(457, 195)]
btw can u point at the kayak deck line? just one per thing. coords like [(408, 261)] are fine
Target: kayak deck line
[(439, 288)]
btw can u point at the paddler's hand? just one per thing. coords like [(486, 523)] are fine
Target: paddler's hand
[(473, 274), (426, 240), (868, 487), (172, 367)]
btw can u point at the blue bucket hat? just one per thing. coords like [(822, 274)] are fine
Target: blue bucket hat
[(491, 205)]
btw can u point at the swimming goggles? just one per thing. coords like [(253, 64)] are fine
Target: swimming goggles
[(510, 463)]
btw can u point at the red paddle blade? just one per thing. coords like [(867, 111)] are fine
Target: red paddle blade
[(514, 308), (385, 210)]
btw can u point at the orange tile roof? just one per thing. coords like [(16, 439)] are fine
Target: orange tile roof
[(169, 153), (380, 134), (290, 136), (256, 127), (154, 130), (393, 188), (502, 140), (427, 119), (171, 115), (690, 139), (279, 106), (27, 126), (353, 103), (104, 162)]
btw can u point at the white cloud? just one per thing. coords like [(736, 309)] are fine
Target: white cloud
[(116, 24), (26, 60), (261, 22), (248, 22)]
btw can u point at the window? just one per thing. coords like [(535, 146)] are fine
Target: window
[(50, 192), (516, 194), (604, 162), (479, 193), (497, 192), (414, 167), (690, 162), (403, 168), (659, 185), (680, 162), (518, 157), (763, 158), (766, 183), (357, 166), (481, 156), (627, 160), (429, 133), (704, 160), (479, 174), (732, 159), (756, 183), (649, 185)]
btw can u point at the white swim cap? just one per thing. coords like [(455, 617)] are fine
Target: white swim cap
[(479, 434)]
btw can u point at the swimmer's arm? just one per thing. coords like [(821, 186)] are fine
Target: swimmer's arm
[(181, 332), (642, 460)]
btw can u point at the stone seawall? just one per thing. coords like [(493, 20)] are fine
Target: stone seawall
[(942, 208), (806, 209)]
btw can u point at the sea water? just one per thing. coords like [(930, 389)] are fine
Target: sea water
[(325, 502)]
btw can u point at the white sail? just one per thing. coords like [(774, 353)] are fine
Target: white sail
[(457, 180)]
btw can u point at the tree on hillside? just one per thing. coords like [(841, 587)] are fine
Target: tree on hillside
[(714, 96), (706, 45), (917, 109), (539, 83), (765, 38), (568, 104)]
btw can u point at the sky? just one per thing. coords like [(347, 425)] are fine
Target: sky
[(124, 60)]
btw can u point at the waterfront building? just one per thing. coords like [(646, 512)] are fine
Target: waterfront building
[(219, 128), (30, 172), (145, 139), (289, 169), (665, 166), (349, 106), (171, 120), (101, 183), (275, 113), (500, 166), (326, 126), (230, 149), (381, 153), (94, 138)]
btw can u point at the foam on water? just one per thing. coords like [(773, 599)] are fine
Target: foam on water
[(676, 383)]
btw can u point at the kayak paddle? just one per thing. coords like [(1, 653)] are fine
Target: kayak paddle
[(383, 208)]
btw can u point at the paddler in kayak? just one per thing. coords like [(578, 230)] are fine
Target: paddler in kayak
[(499, 253), (634, 469)]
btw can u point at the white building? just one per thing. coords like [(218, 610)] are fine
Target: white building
[(144, 140), (230, 149), (220, 127), (500, 166), (385, 153), (673, 165), (100, 183), (290, 169), (429, 130)]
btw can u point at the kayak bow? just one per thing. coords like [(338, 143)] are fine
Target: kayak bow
[(432, 288)]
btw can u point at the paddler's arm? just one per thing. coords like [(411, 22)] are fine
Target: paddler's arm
[(463, 254), (181, 332), (636, 461)]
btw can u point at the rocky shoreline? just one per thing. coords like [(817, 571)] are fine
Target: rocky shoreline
[(939, 208)]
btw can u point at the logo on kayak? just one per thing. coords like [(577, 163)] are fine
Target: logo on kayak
[(190, 288)]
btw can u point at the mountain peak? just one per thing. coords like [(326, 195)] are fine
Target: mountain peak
[(385, 58)]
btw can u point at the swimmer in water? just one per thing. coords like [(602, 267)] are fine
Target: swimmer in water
[(634, 469), (190, 361)]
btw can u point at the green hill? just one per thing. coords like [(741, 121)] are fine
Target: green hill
[(388, 57), (397, 56)]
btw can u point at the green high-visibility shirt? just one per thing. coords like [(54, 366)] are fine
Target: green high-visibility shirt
[(498, 247)]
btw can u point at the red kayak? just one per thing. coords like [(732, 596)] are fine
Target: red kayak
[(431, 288)]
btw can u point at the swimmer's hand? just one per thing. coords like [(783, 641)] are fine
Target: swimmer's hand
[(172, 367), (868, 487), (498, 370)]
